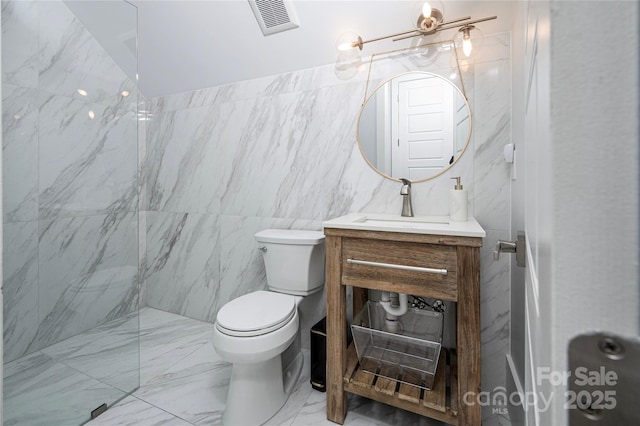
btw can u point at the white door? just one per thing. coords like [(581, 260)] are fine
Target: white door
[(581, 228), (423, 112), (537, 211)]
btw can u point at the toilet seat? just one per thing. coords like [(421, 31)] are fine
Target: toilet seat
[(270, 311)]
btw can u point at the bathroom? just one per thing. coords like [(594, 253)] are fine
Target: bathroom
[(152, 224)]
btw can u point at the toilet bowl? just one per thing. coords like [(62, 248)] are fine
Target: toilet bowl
[(253, 330), (242, 338)]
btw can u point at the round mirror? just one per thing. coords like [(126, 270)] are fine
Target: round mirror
[(415, 126)]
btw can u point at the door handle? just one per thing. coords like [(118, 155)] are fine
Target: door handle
[(519, 247)]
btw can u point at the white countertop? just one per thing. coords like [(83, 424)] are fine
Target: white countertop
[(436, 225)]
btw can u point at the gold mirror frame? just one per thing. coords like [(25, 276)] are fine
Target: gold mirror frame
[(368, 96)]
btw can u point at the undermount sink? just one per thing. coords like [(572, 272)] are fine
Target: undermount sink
[(437, 225)]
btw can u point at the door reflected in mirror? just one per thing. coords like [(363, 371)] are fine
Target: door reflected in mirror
[(415, 125)]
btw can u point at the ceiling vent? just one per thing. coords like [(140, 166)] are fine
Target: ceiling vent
[(274, 16)]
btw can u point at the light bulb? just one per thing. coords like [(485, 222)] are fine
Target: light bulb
[(466, 46), (465, 35), (426, 9), (344, 46), (348, 41)]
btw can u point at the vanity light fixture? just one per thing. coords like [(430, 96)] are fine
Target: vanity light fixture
[(430, 21)]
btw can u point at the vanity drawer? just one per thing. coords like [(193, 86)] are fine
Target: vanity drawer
[(369, 263)]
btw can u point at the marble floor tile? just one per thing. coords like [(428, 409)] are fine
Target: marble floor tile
[(195, 389), (109, 353), (133, 412), (299, 395), (165, 339), (185, 383), (41, 391), (362, 412)]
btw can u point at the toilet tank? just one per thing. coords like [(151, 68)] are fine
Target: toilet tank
[(293, 259)]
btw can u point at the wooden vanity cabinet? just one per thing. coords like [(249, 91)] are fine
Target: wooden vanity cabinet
[(458, 371)]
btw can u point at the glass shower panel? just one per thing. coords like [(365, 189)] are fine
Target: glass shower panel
[(70, 219)]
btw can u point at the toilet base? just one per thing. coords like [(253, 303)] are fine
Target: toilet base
[(256, 393)]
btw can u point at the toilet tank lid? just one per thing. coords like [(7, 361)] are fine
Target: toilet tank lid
[(290, 236)]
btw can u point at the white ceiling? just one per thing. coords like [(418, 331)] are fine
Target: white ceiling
[(188, 45)]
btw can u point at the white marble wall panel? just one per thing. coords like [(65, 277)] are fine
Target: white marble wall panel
[(88, 166), (143, 118), (142, 258), (492, 127), (491, 48), (490, 196), (266, 153), (143, 162), (277, 153), (183, 263), (20, 287), (297, 81), (87, 273), (20, 43), (495, 320), (241, 266), (184, 164), (20, 152), (70, 59)]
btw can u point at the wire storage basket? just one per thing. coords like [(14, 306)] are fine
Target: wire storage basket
[(406, 349)]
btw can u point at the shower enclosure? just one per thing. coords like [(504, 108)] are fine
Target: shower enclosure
[(70, 216)]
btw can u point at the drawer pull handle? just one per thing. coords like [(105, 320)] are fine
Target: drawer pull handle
[(395, 266)]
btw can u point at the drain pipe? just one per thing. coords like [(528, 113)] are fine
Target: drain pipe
[(395, 305)]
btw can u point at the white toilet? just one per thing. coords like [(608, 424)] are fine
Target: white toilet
[(253, 330)]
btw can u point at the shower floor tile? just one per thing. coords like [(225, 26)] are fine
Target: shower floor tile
[(41, 391), (109, 353)]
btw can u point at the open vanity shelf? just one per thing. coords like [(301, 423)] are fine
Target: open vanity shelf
[(458, 370), (441, 402)]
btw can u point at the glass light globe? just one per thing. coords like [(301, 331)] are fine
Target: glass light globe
[(469, 41), (348, 58), (424, 56)]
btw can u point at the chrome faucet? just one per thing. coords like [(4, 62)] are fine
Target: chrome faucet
[(405, 191)]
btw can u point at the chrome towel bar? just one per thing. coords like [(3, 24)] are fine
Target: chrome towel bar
[(395, 266)]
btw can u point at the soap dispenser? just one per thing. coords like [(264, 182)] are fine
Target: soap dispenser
[(458, 202)]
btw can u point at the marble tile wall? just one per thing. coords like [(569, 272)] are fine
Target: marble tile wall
[(70, 179), (225, 162)]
